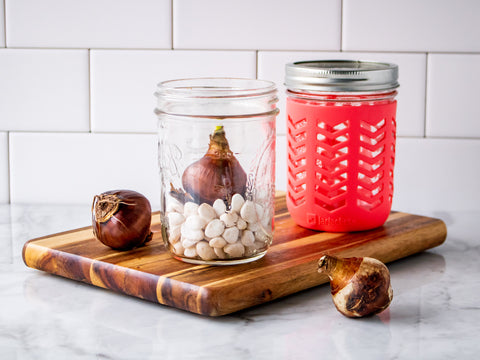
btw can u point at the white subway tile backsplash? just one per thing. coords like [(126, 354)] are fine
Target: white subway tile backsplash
[(411, 96), (123, 82), (44, 90), (72, 168), (89, 23), (252, 24), (436, 174), (2, 23), (411, 25), (452, 98), (4, 197)]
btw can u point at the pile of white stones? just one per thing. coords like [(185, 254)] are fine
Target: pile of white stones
[(212, 232)]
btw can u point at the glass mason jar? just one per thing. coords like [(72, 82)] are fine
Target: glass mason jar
[(341, 143), (216, 153)]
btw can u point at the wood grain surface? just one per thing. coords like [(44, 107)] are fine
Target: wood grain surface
[(289, 266)]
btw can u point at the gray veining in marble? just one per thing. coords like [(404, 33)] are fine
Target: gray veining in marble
[(435, 313)]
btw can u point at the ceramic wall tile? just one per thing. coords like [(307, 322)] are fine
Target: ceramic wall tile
[(251, 24), (44, 90), (72, 168), (411, 25), (123, 82), (89, 23), (452, 97)]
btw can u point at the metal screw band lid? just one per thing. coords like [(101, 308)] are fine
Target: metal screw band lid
[(341, 76)]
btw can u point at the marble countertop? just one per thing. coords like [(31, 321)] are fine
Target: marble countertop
[(434, 314)]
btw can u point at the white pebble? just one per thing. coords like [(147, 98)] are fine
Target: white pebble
[(248, 211), (241, 224), (192, 234), (186, 243), (259, 245), (174, 234), (261, 236), (254, 226), (219, 207), (190, 252), (260, 211), (249, 251), (237, 202), (206, 211), (229, 219), (205, 251), (214, 228), (178, 248), (220, 253), (195, 222), (175, 218), (190, 208), (230, 235), (234, 250), (217, 242), (173, 205), (247, 238)]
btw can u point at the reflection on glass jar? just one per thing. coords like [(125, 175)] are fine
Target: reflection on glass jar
[(217, 168)]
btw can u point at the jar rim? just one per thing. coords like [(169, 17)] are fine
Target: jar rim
[(215, 87), (341, 75)]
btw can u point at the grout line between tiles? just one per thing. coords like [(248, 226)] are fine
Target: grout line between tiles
[(171, 24), (341, 26), (425, 112), (9, 173), (5, 22), (89, 91)]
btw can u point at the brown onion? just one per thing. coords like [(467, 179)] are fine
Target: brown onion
[(217, 175), (121, 219), (359, 286)]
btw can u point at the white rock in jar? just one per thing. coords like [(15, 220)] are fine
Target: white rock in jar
[(229, 219), (234, 250), (214, 228), (217, 242), (192, 234), (237, 202), (241, 224), (207, 212), (195, 222), (220, 253), (205, 251), (190, 208), (186, 243), (190, 252), (231, 234), (248, 212), (174, 233), (178, 248), (173, 205), (219, 207), (175, 218), (247, 238)]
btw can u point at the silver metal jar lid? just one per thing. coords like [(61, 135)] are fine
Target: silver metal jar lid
[(341, 76)]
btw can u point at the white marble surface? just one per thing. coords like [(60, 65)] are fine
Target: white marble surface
[(434, 315)]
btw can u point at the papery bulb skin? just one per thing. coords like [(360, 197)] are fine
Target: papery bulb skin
[(359, 286), (121, 219), (217, 175)]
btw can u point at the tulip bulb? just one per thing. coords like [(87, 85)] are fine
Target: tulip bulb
[(359, 286), (217, 175)]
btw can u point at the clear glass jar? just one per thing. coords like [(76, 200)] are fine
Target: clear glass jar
[(216, 139)]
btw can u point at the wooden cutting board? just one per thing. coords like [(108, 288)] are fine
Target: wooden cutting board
[(289, 266)]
